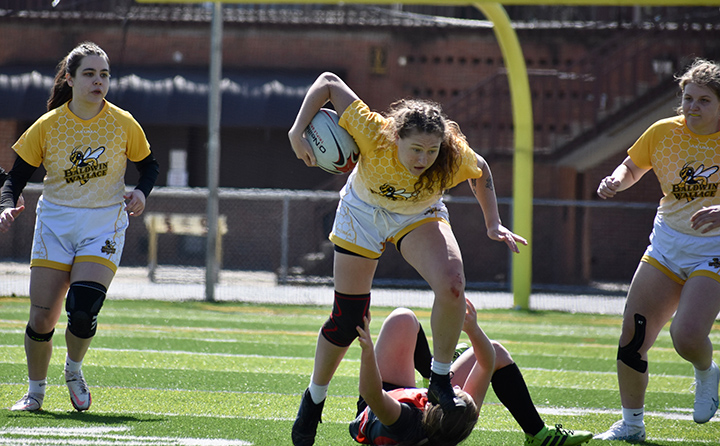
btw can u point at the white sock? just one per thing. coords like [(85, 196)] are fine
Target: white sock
[(318, 393), (72, 366), (634, 417), (37, 386), (440, 368), (702, 374)]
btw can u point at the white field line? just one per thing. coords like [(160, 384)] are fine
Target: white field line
[(183, 352), (12, 326), (109, 436), (256, 356), (680, 414), (100, 436)]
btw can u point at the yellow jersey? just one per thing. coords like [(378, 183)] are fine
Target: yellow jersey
[(379, 178), (686, 166), (85, 160)]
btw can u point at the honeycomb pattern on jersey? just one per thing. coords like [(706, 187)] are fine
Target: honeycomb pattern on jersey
[(381, 179), (379, 154), (85, 160), (688, 169)]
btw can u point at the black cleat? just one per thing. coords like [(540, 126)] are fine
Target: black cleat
[(305, 425), (440, 391)]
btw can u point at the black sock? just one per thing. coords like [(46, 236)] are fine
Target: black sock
[(510, 388), (422, 357)]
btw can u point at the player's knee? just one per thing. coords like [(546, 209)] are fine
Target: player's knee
[(38, 337), (401, 323), (630, 354), (348, 312), (83, 304), (452, 285), (41, 321), (502, 355), (686, 340), (403, 317)]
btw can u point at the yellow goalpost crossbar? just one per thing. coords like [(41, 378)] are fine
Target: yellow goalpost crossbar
[(522, 211)]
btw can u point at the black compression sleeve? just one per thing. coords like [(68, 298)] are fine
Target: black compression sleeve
[(16, 181), (149, 170), (422, 356)]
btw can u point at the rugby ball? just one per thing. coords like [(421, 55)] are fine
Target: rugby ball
[(335, 150)]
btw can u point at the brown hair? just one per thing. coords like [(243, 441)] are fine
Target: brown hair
[(419, 115), (61, 91), (449, 430), (701, 72)]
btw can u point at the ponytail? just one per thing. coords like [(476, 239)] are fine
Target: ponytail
[(61, 91)]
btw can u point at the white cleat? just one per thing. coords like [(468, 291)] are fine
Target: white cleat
[(29, 402), (79, 392), (623, 432), (706, 395)]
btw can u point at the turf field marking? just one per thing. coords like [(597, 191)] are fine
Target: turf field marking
[(681, 441), (101, 436), (683, 414)]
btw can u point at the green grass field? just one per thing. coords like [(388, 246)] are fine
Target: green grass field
[(193, 373)]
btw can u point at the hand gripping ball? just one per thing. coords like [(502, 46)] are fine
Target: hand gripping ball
[(335, 150)]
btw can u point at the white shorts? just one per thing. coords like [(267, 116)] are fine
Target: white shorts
[(364, 229), (680, 256), (66, 235)]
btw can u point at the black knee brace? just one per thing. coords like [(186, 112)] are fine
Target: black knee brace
[(37, 337), (348, 312), (84, 300), (630, 354)]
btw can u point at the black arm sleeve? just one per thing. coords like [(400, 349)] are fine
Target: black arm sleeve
[(149, 170), (15, 182)]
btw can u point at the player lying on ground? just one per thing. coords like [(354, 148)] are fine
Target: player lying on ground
[(392, 411)]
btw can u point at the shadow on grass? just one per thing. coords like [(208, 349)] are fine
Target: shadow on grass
[(85, 417)]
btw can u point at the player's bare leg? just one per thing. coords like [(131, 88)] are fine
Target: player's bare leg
[(433, 251), (353, 276)]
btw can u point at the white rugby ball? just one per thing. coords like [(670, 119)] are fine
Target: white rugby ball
[(335, 150)]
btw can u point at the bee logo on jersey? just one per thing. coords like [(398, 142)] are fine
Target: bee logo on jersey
[(390, 192), (109, 247), (85, 165), (694, 182)]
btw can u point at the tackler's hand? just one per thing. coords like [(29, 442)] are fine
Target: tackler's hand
[(364, 337)]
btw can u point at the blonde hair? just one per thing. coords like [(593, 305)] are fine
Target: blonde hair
[(450, 429), (408, 116), (701, 72)]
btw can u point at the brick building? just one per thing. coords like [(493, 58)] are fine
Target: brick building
[(589, 79)]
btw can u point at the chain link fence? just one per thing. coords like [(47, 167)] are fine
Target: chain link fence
[(277, 238)]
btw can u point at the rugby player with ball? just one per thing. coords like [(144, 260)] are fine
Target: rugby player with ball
[(408, 157)]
